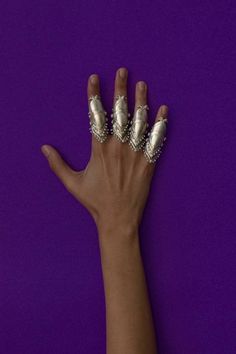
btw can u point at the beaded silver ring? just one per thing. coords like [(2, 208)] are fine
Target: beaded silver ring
[(155, 140), (97, 119), (120, 121), (138, 128)]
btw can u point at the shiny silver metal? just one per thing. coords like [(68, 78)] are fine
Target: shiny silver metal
[(97, 119), (138, 128), (120, 121), (155, 140)]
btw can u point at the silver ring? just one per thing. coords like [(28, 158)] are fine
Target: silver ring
[(120, 122), (97, 119), (138, 128), (155, 140)]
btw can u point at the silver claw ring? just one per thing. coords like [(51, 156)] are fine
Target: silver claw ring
[(138, 128), (120, 122), (97, 119), (155, 140)]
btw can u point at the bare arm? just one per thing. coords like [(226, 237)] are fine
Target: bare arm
[(114, 188), (128, 314)]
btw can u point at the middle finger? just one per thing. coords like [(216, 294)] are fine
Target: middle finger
[(120, 122)]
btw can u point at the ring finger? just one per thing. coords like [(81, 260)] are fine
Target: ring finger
[(139, 121)]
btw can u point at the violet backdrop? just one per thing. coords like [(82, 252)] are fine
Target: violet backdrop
[(51, 297)]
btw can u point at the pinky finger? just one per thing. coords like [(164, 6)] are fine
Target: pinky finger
[(157, 136), (162, 113)]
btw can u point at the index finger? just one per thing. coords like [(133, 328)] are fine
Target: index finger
[(97, 114)]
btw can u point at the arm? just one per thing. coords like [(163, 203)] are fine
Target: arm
[(114, 188), (128, 314)]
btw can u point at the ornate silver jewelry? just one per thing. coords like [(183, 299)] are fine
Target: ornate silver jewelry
[(155, 140), (120, 122), (138, 128), (97, 119)]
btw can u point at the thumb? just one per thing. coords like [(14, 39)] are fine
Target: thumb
[(62, 170)]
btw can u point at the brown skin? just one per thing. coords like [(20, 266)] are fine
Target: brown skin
[(114, 188)]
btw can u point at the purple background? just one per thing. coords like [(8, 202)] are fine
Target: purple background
[(51, 294)]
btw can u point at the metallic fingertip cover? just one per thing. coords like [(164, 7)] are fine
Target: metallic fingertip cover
[(155, 140), (138, 128), (120, 122), (98, 119)]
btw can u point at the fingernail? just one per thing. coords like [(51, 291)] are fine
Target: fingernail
[(164, 110), (93, 79), (123, 73), (142, 85), (45, 150)]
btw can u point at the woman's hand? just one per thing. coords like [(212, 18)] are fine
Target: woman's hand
[(114, 187), (115, 184)]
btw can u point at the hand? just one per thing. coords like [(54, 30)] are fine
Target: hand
[(115, 184)]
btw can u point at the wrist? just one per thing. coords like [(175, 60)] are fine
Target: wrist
[(117, 232), (118, 250), (117, 241)]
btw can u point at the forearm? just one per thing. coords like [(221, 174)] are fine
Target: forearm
[(129, 320)]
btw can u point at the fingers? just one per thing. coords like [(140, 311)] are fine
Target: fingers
[(93, 89), (140, 94), (93, 85), (120, 83), (157, 135), (139, 121), (120, 121), (61, 169), (97, 115), (162, 112)]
